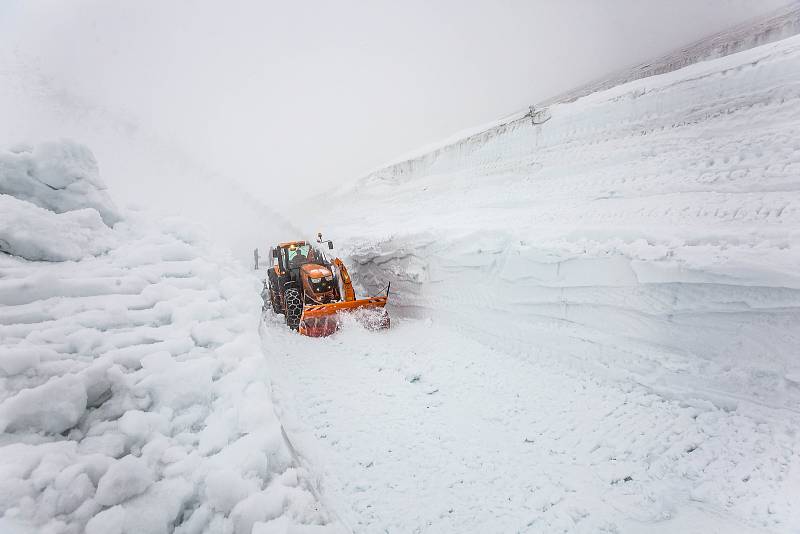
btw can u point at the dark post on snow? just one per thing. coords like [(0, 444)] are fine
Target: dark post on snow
[(255, 258)]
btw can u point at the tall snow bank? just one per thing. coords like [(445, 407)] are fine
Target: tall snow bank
[(651, 231), (134, 396), (59, 176)]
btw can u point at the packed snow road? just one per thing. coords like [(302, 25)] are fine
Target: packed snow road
[(422, 429)]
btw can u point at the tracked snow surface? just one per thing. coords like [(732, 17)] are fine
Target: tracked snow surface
[(596, 319), (134, 397)]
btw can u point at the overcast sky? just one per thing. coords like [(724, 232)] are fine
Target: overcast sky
[(288, 97)]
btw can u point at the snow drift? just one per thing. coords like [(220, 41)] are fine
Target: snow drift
[(650, 230), (134, 396), (53, 205)]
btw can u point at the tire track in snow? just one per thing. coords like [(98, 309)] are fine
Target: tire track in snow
[(421, 429)]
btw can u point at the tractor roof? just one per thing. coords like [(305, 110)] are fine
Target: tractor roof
[(290, 243)]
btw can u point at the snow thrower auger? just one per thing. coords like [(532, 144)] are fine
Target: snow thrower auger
[(313, 292)]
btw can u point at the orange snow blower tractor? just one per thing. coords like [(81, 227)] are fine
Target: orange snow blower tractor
[(312, 291)]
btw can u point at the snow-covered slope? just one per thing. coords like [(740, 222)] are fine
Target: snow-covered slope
[(651, 230), (773, 26), (134, 396), (770, 27)]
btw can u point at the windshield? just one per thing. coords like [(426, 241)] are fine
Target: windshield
[(299, 254), (301, 250)]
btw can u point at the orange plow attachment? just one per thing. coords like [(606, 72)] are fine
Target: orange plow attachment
[(319, 320)]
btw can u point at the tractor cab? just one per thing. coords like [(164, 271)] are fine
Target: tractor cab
[(287, 258)]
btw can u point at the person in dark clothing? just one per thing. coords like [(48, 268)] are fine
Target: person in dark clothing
[(298, 259)]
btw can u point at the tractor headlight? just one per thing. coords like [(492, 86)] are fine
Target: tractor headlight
[(316, 280), (329, 278)]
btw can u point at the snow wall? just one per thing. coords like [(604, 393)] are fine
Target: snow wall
[(650, 230)]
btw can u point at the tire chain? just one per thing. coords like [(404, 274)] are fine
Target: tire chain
[(294, 307)]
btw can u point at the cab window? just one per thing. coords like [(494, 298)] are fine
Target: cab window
[(293, 251)]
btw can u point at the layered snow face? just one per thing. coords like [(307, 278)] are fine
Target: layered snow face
[(651, 230), (53, 205), (610, 316), (60, 176), (134, 396)]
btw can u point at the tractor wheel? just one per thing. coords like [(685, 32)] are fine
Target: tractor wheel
[(294, 307)]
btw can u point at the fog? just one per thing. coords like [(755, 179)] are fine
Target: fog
[(219, 109)]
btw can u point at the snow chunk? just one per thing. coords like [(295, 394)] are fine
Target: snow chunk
[(156, 511), (35, 233), (10, 526), (109, 521), (225, 488), (53, 407), (16, 360), (139, 425), (259, 507), (59, 176), (61, 164), (69, 497), (178, 384), (126, 478)]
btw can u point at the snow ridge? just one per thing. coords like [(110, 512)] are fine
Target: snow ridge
[(775, 26)]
